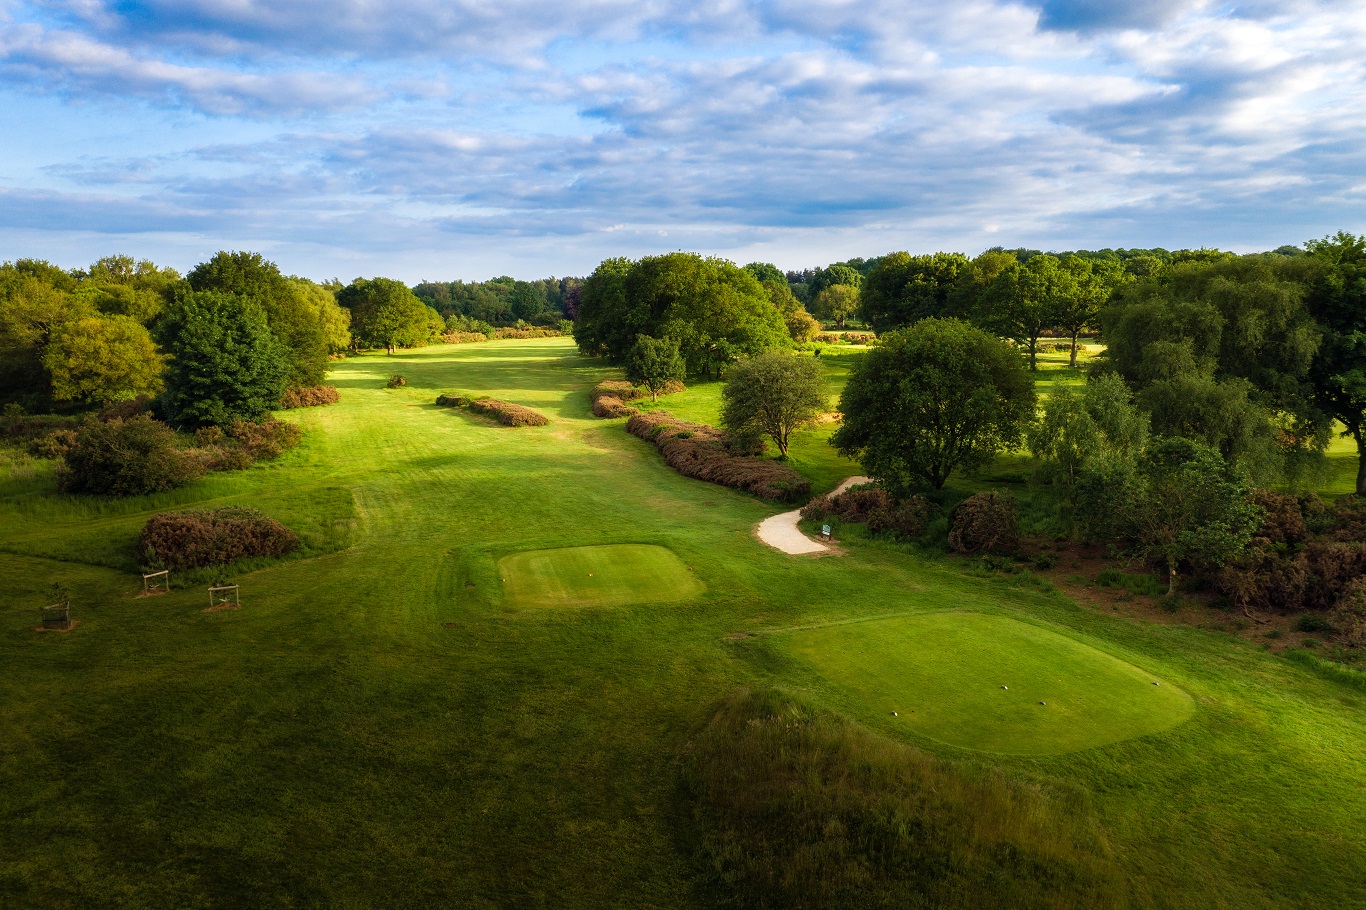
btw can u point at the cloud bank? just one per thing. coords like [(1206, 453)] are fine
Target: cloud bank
[(470, 138)]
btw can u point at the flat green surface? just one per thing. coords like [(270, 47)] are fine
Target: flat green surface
[(610, 576), (942, 674)]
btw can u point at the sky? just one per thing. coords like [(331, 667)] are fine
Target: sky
[(442, 139)]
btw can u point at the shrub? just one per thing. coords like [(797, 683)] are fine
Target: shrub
[(125, 458), (15, 424), (453, 401), (857, 505), (309, 396), (197, 538), (129, 408), (985, 523), (54, 444), (1346, 520), (266, 440), (817, 509), (859, 337), (528, 332), (1283, 521), (828, 338), (904, 520), (616, 388), (610, 406), (1313, 622), (397, 382), (464, 337), (509, 414), (702, 455)]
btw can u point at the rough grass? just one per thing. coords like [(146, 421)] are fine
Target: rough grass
[(799, 808), (943, 674), (507, 413), (699, 451), (605, 576)]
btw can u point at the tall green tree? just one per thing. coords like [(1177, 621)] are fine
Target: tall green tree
[(1338, 304), (385, 314), (775, 394), (225, 364), (837, 303), (932, 398), (101, 359), (654, 363), (293, 317), (1025, 300), (1077, 308), (903, 288)]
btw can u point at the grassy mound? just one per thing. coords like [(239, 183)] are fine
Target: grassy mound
[(605, 576), (801, 809), (699, 451), (509, 414), (943, 672)]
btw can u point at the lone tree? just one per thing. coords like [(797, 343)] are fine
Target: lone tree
[(385, 314), (936, 396), (654, 363), (225, 364), (837, 303), (773, 394)]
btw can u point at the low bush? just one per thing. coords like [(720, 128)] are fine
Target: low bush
[(453, 401), (211, 537), (397, 382), (617, 388), (1142, 583), (54, 444), (827, 338), (876, 508), (266, 440), (610, 406), (699, 451), (126, 409), (859, 338), (16, 425), (817, 509), (904, 520), (796, 808), (528, 332), (464, 337), (610, 396), (125, 458), (986, 523), (509, 414), (309, 397)]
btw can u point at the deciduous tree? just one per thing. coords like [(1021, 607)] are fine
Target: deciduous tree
[(775, 394)]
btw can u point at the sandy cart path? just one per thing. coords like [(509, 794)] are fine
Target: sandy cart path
[(780, 532)]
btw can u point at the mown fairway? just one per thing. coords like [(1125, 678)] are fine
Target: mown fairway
[(385, 724)]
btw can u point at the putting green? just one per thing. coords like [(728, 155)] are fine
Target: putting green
[(942, 674), (606, 576)]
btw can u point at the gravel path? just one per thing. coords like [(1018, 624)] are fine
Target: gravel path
[(780, 532)]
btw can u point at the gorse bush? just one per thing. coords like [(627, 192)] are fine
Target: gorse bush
[(397, 381), (509, 414), (211, 537), (985, 523), (800, 809), (453, 401), (126, 458), (309, 396), (699, 451)]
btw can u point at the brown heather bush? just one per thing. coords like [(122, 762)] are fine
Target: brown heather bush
[(817, 509), (1346, 520), (699, 451), (859, 337), (464, 337), (309, 397), (54, 444), (15, 424), (611, 406), (532, 332), (985, 523), (617, 388), (827, 338), (453, 401), (904, 520), (798, 808), (266, 440), (397, 381), (126, 409), (505, 412), (211, 537), (875, 508)]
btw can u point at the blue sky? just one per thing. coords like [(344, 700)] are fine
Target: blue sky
[(467, 138)]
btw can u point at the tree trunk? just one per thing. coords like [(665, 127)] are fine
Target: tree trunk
[(1361, 461), (1033, 355), (1171, 577), (1073, 362)]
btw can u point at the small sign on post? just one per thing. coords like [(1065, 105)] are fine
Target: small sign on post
[(57, 616), (156, 583), (825, 532)]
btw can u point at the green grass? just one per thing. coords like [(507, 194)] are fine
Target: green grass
[(609, 576), (943, 673), (381, 725)]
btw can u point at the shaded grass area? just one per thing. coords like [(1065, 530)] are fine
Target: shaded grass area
[(370, 731), (605, 576), (987, 682)]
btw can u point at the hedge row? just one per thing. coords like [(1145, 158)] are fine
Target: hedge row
[(533, 332), (699, 451), (610, 397), (505, 412), (464, 337), (211, 537), (309, 397)]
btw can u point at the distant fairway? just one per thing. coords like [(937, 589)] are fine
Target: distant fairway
[(606, 576), (942, 673)]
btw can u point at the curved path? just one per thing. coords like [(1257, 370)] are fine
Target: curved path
[(780, 531)]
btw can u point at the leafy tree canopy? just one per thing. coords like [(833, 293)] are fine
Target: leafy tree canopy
[(1338, 303), (385, 314), (773, 394), (101, 359), (903, 288), (654, 363), (931, 398)]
